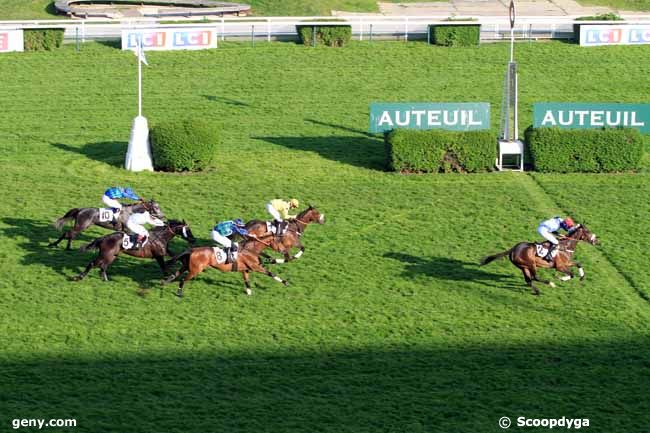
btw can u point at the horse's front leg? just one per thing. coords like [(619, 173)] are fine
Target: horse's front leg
[(162, 264)]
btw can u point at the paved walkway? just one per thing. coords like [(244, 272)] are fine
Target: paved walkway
[(474, 8)]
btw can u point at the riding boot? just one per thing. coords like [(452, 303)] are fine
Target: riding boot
[(549, 256)]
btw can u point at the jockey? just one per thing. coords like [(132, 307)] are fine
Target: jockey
[(547, 229), (135, 224), (222, 232), (112, 194), (279, 210)]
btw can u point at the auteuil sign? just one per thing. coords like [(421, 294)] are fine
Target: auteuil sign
[(579, 116), (451, 116)]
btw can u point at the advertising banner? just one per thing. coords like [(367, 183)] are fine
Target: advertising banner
[(429, 115), (194, 38), (596, 35), (11, 40), (582, 115)]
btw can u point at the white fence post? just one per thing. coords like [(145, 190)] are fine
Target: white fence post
[(268, 30), (406, 29), (360, 29)]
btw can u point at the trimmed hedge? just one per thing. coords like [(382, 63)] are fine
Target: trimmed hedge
[(440, 151), (331, 35), (42, 39), (455, 35), (585, 150), (185, 145), (602, 17)]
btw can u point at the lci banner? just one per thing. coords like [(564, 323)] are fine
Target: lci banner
[(453, 116), (580, 116), (596, 35), (11, 40), (170, 39)]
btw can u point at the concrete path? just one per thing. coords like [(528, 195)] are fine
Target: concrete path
[(475, 8)]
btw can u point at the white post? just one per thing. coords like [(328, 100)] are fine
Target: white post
[(268, 30), (406, 29), (140, 76), (223, 29), (83, 31), (360, 29)]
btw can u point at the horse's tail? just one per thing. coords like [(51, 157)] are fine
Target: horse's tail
[(72, 213), (182, 256), (488, 259)]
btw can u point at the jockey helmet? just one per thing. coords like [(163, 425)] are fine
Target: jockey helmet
[(294, 203), (239, 222), (569, 222)]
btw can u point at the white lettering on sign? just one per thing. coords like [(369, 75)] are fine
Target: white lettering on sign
[(591, 118)]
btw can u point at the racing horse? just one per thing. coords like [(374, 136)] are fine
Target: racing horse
[(85, 217), (157, 247), (196, 260), (524, 256), (283, 244)]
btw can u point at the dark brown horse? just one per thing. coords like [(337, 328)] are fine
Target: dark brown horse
[(524, 256), (291, 239), (85, 217), (110, 246), (195, 260)]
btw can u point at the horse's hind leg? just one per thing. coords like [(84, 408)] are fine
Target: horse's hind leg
[(91, 264), (194, 270), (58, 241), (529, 280), (247, 282)]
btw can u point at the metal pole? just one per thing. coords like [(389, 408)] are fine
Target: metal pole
[(223, 29), (360, 30), (76, 38), (83, 31), (313, 36), (370, 36), (253, 34), (140, 77), (406, 29), (268, 30)]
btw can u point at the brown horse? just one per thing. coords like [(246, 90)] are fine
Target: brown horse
[(195, 260), (291, 239), (524, 256), (157, 247), (85, 217)]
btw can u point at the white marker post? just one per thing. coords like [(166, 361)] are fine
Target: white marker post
[(509, 143), (138, 155)]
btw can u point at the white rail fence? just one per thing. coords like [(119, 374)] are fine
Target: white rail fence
[(363, 28)]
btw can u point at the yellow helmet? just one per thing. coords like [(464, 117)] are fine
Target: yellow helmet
[(294, 203)]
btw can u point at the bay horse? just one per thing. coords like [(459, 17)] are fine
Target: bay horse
[(196, 260), (283, 244), (87, 216), (157, 247), (524, 256)]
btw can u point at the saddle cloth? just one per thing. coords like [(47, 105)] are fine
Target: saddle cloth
[(542, 251), (272, 228), (106, 215), (221, 257), (129, 241)]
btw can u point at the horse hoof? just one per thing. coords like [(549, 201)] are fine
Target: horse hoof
[(179, 294), (286, 283), (552, 284), (249, 292)]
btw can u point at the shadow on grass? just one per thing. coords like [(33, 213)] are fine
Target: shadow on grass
[(444, 268), (109, 152), (227, 101), (362, 152), (457, 389), (33, 236)]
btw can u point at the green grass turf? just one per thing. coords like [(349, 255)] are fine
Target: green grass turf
[(40, 9), (389, 325)]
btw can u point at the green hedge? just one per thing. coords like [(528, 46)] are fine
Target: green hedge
[(186, 145), (602, 17), (452, 35), (584, 150), (435, 151), (332, 35), (42, 39)]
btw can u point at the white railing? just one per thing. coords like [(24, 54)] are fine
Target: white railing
[(363, 27)]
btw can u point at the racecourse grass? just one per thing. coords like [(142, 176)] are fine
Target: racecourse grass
[(388, 325)]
